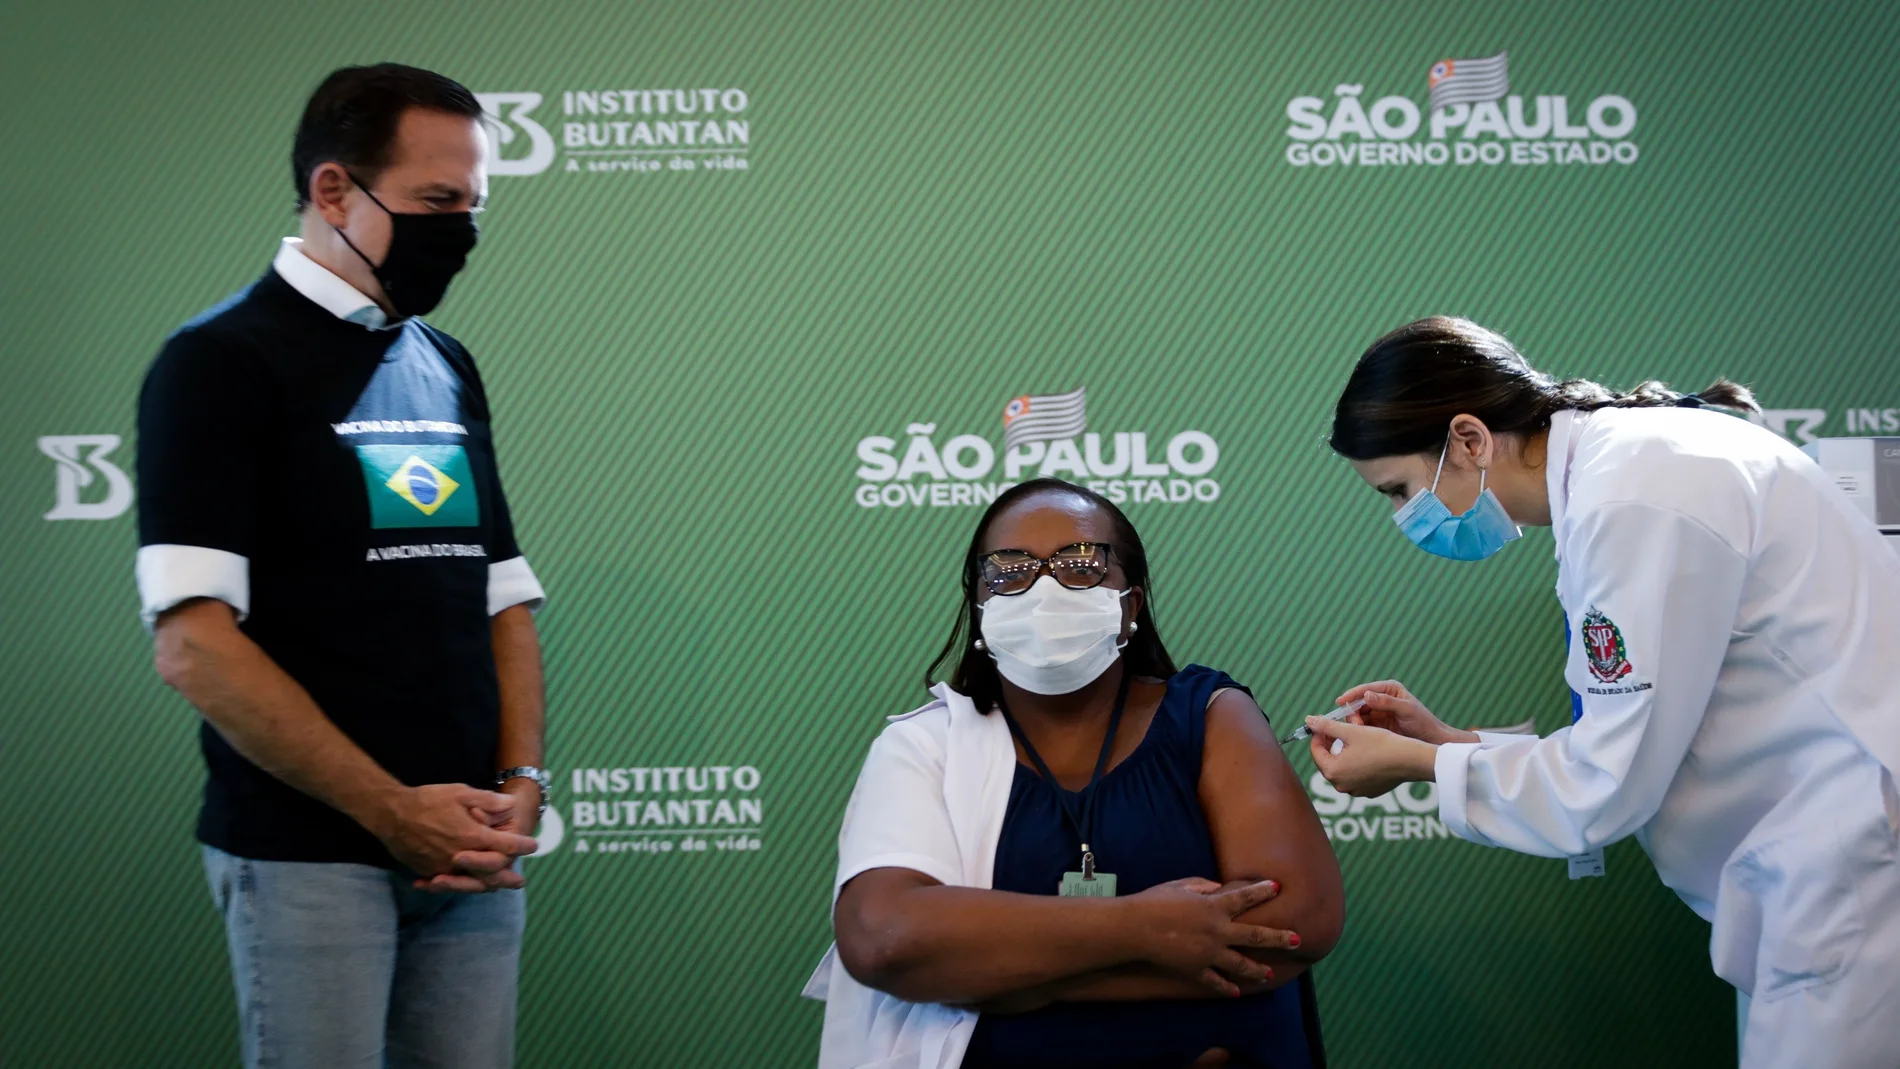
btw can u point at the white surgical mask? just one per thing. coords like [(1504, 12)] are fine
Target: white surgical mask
[(1053, 640)]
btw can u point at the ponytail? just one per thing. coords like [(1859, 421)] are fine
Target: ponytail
[(1586, 396), (1407, 387)]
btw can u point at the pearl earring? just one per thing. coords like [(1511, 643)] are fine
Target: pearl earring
[(978, 644)]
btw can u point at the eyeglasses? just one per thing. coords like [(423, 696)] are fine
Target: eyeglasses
[(1081, 566)]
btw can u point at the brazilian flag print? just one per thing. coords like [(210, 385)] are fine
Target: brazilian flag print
[(419, 486)]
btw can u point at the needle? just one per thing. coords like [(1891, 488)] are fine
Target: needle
[(1340, 713)]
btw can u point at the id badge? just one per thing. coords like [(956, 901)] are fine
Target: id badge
[(1584, 866), (1094, 885)]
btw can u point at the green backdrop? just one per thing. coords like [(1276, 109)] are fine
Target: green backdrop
[(941, 207)]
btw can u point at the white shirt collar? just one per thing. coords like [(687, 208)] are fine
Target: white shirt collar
[(1566, 427), (326, 290)]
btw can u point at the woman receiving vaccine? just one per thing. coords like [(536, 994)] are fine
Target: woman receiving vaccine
[(1734, 658), (1076, 854)]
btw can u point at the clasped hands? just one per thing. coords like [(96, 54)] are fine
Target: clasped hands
[(457, 838), (1392, 740)]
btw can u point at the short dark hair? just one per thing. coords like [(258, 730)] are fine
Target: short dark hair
[(351, 119), (1408, 386), (975, 675)]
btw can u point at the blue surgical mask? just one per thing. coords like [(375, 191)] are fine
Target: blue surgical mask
[(1473, 536)]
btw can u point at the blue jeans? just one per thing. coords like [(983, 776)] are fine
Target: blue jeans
[(348, 965)]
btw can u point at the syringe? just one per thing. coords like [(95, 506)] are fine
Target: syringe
[(1340, 713)]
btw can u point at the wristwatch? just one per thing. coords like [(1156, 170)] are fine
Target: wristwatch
[(528, 772)]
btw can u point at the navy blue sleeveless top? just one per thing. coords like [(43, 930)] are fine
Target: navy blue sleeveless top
[(1148, 829)]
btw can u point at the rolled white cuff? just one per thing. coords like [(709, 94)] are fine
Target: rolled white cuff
[(934, 867), (512, 582), (170, 574), (1450, 769)]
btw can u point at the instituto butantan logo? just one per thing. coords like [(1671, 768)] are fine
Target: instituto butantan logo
[(80, 462), (1804, 425), (655, 811), (551, 832), (1470, 117), (1044, 436), (619, 131)]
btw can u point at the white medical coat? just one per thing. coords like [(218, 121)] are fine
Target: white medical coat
[(1735, 638), (931, 797)]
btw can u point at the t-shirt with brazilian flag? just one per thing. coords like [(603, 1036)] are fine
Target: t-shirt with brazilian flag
[(353, 472), (425, 479)]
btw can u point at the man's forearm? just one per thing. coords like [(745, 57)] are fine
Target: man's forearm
[(264, 714), (523, 695)]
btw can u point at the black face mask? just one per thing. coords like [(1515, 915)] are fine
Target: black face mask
[(426, 249)]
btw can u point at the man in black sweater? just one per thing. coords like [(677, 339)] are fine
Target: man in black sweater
[(329, 566)]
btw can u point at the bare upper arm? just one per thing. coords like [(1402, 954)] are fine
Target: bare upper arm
[(1263, 825), (862, 915), (871, 890), (515, 616), (512, 631)]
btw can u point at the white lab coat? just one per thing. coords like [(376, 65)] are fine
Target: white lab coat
[(1735, 637), (931, 797)]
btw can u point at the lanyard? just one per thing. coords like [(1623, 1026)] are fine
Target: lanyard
[(1080, 822)]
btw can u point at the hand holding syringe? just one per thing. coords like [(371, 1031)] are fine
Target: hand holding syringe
[(1340, 713)]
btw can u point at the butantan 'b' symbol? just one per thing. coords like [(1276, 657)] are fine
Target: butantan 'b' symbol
[(1798, 425), (548, 836), (502, 128), (79, 457)]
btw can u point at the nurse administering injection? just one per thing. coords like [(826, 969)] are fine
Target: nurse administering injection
[(1734, 657)]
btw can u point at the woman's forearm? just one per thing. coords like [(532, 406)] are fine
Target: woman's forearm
[(1138, 982), (961, 945), (1142, 982), (901, 932)]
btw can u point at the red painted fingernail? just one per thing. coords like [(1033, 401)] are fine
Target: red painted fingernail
[(1292, 939), (1274, 886)]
